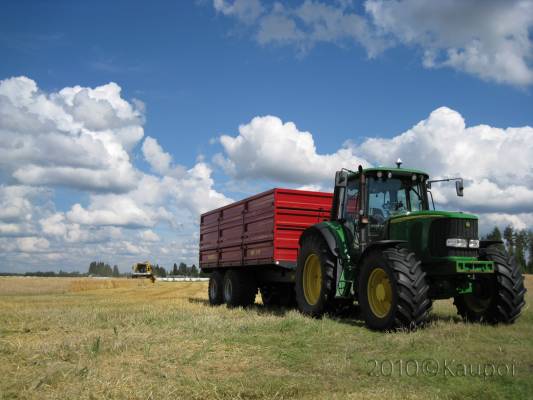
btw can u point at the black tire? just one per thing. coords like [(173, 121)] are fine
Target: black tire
[(278, 295), (216, 288), (409, 304), (498, 297), (315, 245), (240, 288)]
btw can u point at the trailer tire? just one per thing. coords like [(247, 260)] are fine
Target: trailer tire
[(216, 288), (315, 277), (504, 291), (393, 292), (278, 295), (240, 288)]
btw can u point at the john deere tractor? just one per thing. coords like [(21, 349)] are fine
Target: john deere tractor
[(385, 248)]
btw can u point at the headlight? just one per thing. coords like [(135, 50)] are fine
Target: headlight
[(473, 244), (455, 242)]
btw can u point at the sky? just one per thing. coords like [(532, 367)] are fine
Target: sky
[(121, 122)]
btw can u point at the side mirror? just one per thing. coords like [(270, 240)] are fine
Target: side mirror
[(341, 179), (459, 187)]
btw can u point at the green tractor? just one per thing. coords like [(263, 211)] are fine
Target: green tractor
[(385, 248)]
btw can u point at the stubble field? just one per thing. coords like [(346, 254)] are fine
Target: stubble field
[(66, 338)]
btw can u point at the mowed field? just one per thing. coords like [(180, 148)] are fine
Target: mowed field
[(65, 338)]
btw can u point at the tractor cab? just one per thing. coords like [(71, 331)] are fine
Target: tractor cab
[(366, 200)]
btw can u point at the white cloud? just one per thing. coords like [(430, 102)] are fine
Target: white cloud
[(84, 138), (114, 210), (443, 145), (160, 161), (32, 244), (518, 221), (149, 236), (15, 203), (77, 137), (489, 39), (195, 191), (315, 22), (495, 162), (268, 148), (245, 10)]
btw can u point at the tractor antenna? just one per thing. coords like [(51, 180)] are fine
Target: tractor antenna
[(399, 163)]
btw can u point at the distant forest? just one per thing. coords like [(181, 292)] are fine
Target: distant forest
[(519, 243), (99, 268)]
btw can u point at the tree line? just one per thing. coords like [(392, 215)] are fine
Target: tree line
[(518, 243), (103, 269)]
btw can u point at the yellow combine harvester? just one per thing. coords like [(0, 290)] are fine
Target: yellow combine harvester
[(143, 270)]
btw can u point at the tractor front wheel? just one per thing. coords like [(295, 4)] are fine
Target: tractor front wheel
[(496, 298), (315, 277), (393, 292)]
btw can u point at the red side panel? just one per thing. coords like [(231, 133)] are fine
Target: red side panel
[(262, 229), (295, 211)]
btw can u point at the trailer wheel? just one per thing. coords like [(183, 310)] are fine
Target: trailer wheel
[(277, 295), (315, 277), (216, 288), (240, 288), (393, 292), (498, 297)]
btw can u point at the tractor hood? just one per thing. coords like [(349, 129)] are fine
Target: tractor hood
[(408, 216), (427, 232)]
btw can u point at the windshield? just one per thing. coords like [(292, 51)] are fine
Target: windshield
[(388, 197)]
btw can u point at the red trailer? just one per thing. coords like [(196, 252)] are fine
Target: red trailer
[(253, 243)]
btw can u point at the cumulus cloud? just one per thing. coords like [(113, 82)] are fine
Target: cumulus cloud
[(149, 236), (495, 162), (77, 137), (15, 203), (32, 244), (160, 161), (489, 39), (85, 139), (314, 22), (268, 148)]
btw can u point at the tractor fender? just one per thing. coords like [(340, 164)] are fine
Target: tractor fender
[(483, 244), (323, 231), (379, 245)]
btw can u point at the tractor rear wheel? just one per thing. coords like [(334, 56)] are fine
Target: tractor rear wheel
[(315, 277), (240, 288), (393, 292), (498, 297), (216, 288)]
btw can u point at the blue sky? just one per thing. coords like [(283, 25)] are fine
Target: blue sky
[(197, 70)]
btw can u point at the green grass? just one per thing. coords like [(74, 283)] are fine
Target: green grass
[(70, 338)]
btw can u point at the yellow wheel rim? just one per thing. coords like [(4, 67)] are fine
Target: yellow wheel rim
[(379, 292), (312, 279)]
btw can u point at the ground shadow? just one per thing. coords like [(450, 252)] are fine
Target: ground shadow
[(349, 315), (444, 318), (198, 300)]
